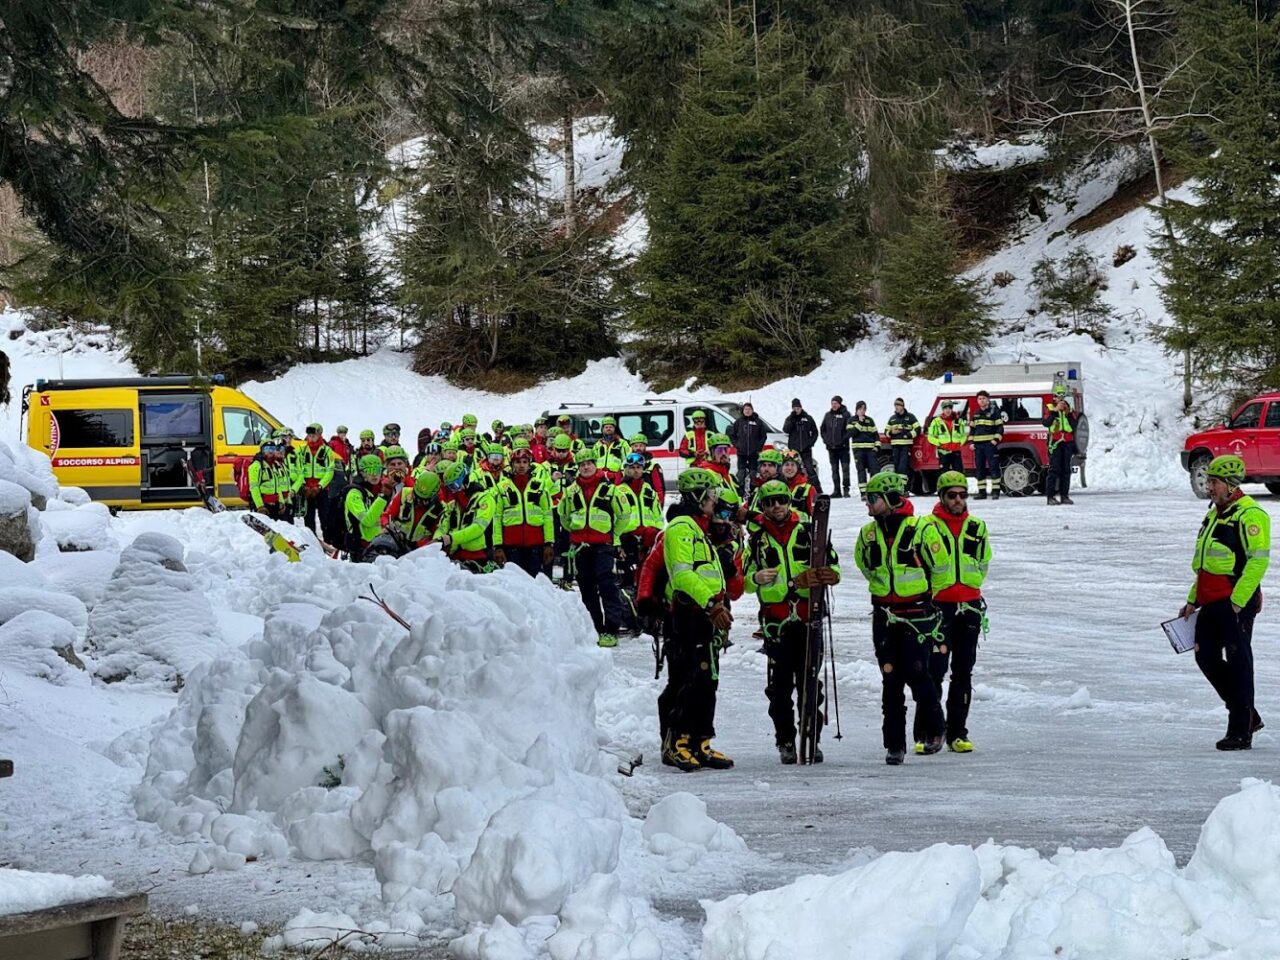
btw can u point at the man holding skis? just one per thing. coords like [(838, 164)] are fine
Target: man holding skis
[(781, 572)]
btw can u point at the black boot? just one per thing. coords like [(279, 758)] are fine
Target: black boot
[(982, 495), (787, 753), (894, 758), (1234, 741), (1255, 722)]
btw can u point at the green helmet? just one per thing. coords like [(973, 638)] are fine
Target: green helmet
[(370, 463), (638, 438), (1229, 468), (450, 442), (315, 427), (773, 488), (342, 430), (696, 481), (496, 425), (609, 422), (367, 435), (697, 415), (952, 478), (887, 482), (771, 456), (718, 440), (554, 432), (395, 452), (470, 420), (519, 443), (587, 455), (455, 475), (562, 442), (466, 433), (494, 448), (426, 485)]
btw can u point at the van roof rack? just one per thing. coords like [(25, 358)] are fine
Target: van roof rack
[(653, 401), (566, 406), (99, 382)]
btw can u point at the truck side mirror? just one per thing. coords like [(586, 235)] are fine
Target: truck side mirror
[(671, 444)]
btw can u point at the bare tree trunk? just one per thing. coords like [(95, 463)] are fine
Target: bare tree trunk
[(570, 173), (1148, 121)]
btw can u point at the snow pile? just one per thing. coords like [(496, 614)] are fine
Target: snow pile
[(679, 829), (23, 890), (1130, 901), (154, 623), (80, 528), (40, 644), (461, 758), (28, 469)]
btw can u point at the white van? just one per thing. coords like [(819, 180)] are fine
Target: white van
[(664, 421)]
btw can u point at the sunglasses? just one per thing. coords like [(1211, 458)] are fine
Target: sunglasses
[(956, 495), (873, 497), (774, 501), (311, 432), (719, 450)]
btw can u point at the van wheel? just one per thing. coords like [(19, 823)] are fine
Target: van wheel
[(1274, 488), (1019, 475), (1197, 472)]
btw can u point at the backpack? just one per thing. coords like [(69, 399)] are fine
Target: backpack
[(240, 472)]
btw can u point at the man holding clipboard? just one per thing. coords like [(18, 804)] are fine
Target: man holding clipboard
[(1231, 556)]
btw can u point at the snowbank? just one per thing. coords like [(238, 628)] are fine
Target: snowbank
[(462, 758), (23, 890), (962, 903)]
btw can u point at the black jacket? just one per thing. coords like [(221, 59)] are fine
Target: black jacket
[(835, 427), (748, 434), (801, 431)]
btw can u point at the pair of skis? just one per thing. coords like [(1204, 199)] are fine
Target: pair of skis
[(819, 617)]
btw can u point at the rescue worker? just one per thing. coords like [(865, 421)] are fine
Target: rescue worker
[(835, 437), (367, 447), (802, 434), (270, 483), (902, 429), (312, 471), (640, 513), (768, 467), (698, 622), (341, 446), (491, 469), (390, 437), (718, 446), (429, 460), (957, 593), (498, 433), (947, 433), (694, 448), (539, 445), (639, 443), (470, 420), (896, 553), (1231, 556), (803, 493), (414, 514), (1061, 421), (470, 529), (986, 430), (781, 573), (395, 467), (587, 514), (866, 446), (468, 447), (528, 530), (363, 505), (610, 450)]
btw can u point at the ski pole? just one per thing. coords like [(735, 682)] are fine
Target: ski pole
[(835, 681)]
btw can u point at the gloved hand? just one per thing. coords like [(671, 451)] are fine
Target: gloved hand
[(765, 577), (388, 486), (445, 542), (548, 555), (720, 616), (806, 580), (499, 556), (827, 576)]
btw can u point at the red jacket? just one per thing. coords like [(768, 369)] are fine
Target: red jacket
[(794, 482), (538, 449), (957, 592), (341, 447), (522, 534), (699, 444)]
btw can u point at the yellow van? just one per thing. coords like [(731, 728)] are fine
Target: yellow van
[(141, 442)]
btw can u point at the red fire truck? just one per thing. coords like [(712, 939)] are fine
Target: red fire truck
[(1022, 392)]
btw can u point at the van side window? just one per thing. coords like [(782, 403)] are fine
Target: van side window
[(657, 426), (80, 429), (244, 428), (1021, 409), (1273, 414)]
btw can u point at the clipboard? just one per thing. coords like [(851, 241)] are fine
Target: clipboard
[(1181, 633)]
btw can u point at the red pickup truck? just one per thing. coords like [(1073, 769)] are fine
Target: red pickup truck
[(1252, 432)]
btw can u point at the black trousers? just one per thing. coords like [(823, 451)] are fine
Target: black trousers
[(1224, 654), (903, 651), (748, 463), (810, 468), (528, 559), (986, 465), (1059, 482), (687, 705), (950, 460), (838, 457), (961, 630), (902, 461), (598, 584), (868, 465), (788, 679), (315, 507)]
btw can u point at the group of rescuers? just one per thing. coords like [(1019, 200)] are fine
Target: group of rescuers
[(535, 496)]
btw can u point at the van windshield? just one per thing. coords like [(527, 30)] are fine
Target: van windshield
[(734, 410)]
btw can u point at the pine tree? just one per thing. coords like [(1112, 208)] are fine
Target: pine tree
[(1071, 290), (753, 255), (940, 317), (1221, 283)]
